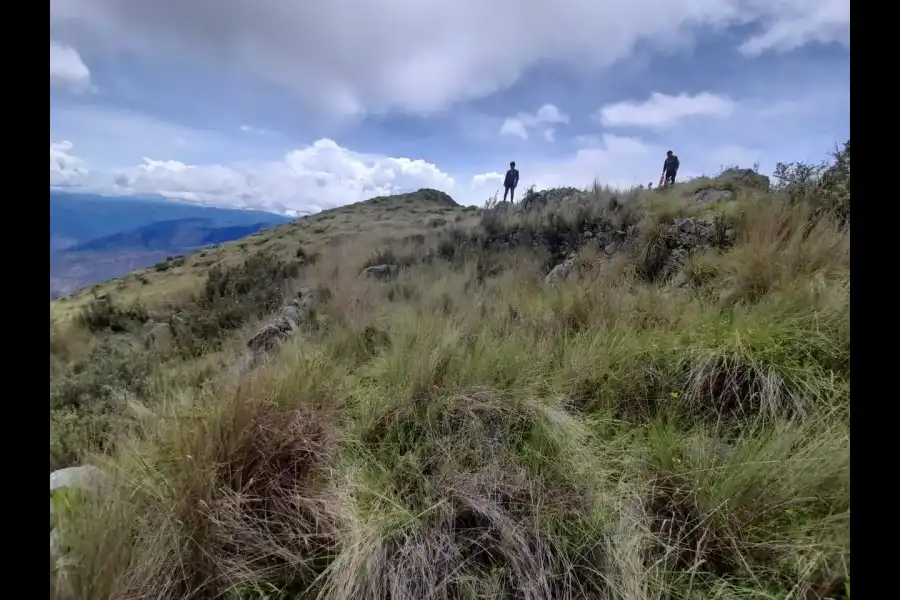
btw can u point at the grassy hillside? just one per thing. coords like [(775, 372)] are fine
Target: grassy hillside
[(666, 416)]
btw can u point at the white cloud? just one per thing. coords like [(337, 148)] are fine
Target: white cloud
[(661, 111), (64, 166), (67, 69), (322, 175), (256, 130), (542, 119), (800, 24), (613, 160), (352, 58)]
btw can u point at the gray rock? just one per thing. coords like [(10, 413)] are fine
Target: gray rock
[(290, 318), (85, 478), (381, 271), (685, 225), (159, 337), (746, 177), (611, 248), (564, 271)]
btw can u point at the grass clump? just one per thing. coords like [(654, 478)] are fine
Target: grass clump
[(470, 431)]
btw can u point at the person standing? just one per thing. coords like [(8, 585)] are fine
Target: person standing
[(510, 182), (670, 169)]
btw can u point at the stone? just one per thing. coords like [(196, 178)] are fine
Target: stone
[(382, 271), (289, 319), (561, 272), (685, 225), (746, 177), (84, 478), (159, 337)]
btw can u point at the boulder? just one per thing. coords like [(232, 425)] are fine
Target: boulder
[(381, 271), (564, 271), (159, 337), (286, 322), (290, 318), (746, 178)]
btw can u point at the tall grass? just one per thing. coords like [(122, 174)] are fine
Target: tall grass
[(456, 434)]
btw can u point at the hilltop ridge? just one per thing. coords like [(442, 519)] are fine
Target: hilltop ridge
[(592, 393)]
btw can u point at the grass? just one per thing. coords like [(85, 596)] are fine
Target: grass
[(468, 431)]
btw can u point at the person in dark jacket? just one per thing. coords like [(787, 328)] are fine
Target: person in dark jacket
[(670, 168), (510, 182)]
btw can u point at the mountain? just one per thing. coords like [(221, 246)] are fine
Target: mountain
[(169, 236), (94, 238), (76, 218)]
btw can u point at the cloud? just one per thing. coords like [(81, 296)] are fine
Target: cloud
[(351, 58), (256, 130), (613, 160), (661, 111), (801, 24), (64, 167), (316, 177), (67, 70), (543, 119)]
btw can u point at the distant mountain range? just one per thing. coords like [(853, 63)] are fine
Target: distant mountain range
[(94, 238)]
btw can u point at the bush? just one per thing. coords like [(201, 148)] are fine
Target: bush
[(103, 314), (826, 184), (232, 296)]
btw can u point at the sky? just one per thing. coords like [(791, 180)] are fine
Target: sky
[(294, 106)]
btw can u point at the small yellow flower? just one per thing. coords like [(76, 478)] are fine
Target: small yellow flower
[(674, 394)]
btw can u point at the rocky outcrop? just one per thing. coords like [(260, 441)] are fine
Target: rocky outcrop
[(668, 252), (746, 178), (291, 318), (534, 199)]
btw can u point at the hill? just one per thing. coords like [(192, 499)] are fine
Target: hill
[(77, 218), (591, 394), (167, 236), (94, 238)]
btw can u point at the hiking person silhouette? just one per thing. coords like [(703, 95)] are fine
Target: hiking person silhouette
[(510, 182), (670, 169)]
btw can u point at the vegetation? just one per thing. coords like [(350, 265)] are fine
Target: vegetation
[(466, 430)]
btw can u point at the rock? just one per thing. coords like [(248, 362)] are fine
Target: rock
[(84, 478), (382, 271), (159, 337), (685, 225), (285, 323), (730, 235), (712, 195), (746, 177), (534, 199), (561, 272), (611, 248), (289, 319)]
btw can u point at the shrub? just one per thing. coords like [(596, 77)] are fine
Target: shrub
[(103, 314)]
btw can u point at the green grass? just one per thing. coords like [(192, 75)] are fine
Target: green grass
[(467, 431)]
